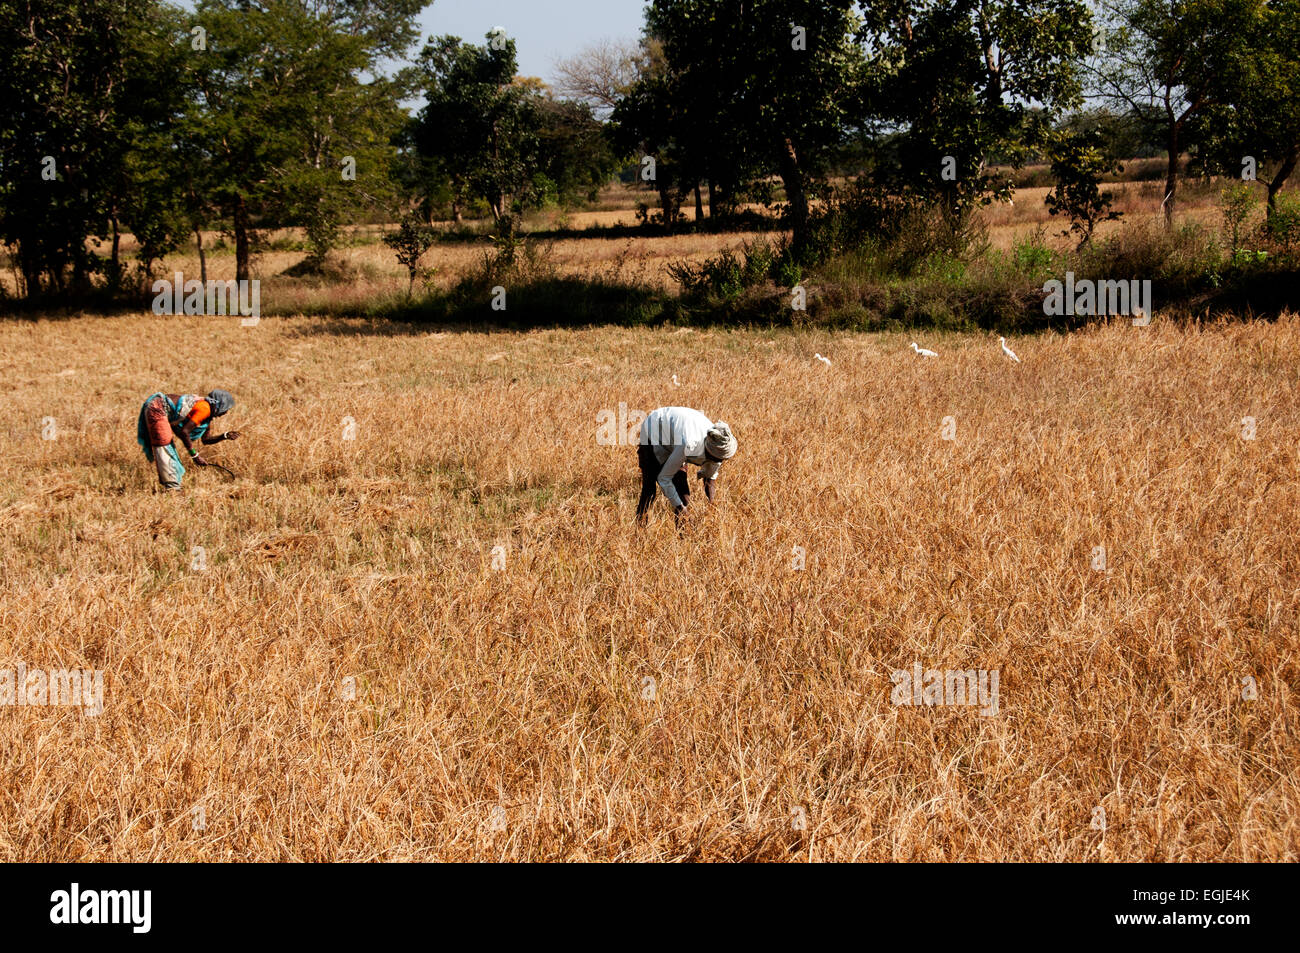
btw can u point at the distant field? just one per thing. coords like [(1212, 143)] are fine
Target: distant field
[(350, 677), (369, 269)]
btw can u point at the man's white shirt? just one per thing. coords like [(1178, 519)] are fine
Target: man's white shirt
[(677, 435)]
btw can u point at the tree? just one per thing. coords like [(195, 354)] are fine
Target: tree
[(1160, 59), (347, 116), (63, 135), (1253, 118), (481, 124), (411, 240), (773, 81), (967, 79), (600, 76), (295, 111), (626, 86), (1121, 135), (574, 154), (428, 184), (154, 194), (1078, 163), (648, 124)]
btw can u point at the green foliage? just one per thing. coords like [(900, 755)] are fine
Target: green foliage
[(575, 154), (153, 194), (480, 125), (863, 229), (721, 275), (1173, 63), (652, 121), (64, 118), (485, 132), (1078, 163), (957, 79), (260, 128), (727, 275), (1177, 261), (1238, 203), (289, 99), (153, 126), (1283, 223), (411, 240), (1032, 256), (900, 230), (1248, 257), (745, 90), (1121, 135), (1250, 124)]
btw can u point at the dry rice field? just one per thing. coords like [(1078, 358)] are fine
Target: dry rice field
[(443, 639)]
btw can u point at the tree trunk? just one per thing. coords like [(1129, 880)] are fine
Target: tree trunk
[(1283, 173), (29, 282), (117, 242), (666, 203), (722, 202), (203, 258), (699, 204), (457, 201), (792, 179), (241, 239), (1171, 175)]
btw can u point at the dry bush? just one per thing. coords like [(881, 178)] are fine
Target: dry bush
[(505, 714)]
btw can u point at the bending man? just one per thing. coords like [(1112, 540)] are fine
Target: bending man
[(672, 437), (187, 416)]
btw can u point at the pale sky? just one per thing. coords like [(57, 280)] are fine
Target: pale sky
[(543, 30)]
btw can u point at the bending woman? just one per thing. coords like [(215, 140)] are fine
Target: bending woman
[(164, 417)]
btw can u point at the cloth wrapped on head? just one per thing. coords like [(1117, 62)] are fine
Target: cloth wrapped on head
[(220, 401), (720, 442)]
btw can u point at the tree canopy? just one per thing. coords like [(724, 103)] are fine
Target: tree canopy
[(162, 121)]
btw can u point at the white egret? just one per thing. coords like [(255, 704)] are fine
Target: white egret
[(824, 360), (924, 352), (1007, 351)]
